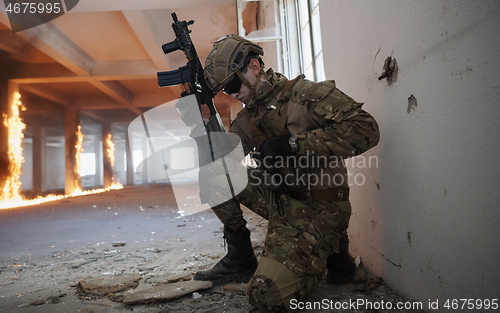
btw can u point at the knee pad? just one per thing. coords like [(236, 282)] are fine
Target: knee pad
[(265, 295), (272, 286)]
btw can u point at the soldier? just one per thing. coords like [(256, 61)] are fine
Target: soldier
[(298, 131)]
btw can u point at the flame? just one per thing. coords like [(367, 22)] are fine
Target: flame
[(111, 157), (111, 153), (10, 195), (111, 150), (78, 155), (12, 187), (21, 203)]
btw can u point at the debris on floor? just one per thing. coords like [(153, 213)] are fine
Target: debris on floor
[(166, 292), (151, 273), (107, 285)]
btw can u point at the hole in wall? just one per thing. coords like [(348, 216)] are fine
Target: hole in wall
[(390, 69), (412, 103)]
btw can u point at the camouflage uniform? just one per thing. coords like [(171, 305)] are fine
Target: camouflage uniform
[(303, 229)]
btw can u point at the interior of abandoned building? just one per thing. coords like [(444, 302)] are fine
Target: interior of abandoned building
[(93, 71), (71, 88)]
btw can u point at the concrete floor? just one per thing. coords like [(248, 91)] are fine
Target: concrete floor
[(138, 215), (46, 249)]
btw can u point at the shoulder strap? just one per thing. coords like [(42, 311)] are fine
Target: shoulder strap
[(286, 91)]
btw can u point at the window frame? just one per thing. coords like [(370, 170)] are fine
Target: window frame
[(294, 25), (290, 39)]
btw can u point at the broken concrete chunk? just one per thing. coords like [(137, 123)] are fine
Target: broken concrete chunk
[(167, 279), (107, 285), (166, 292), (37, 302), (178, 277)]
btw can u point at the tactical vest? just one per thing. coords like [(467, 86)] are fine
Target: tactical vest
[(273, 122)]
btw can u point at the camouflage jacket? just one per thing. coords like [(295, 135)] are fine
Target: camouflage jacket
[(330, 125)]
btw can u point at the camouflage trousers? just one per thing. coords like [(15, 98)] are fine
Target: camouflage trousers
[(300, 237)]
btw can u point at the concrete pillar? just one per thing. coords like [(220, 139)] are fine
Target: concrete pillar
[(98, 163), (38, 158), (106, 158), (145, 167), (129, 160), (71, 122)]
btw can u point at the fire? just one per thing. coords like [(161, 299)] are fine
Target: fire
[(78, 156), (11, 189), (21, 202), (10, 195), (111, 150), (111, 154)]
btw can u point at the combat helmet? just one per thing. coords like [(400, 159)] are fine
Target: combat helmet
[(228, 55)]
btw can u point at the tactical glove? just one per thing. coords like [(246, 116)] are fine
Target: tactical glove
[(275, 146)]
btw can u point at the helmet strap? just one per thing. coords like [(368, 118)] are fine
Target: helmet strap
[(253, 89)]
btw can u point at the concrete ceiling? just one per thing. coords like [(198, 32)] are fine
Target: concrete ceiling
[(103, 56)]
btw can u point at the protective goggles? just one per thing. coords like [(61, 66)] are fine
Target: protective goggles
[(233, 85)]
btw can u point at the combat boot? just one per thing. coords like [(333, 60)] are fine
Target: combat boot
[(238, 265), (340, 267)]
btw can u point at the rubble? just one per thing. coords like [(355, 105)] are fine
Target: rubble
[(166, 292), (107, 285), (178, 277), (144, 275), (197, 296), (168, 278)]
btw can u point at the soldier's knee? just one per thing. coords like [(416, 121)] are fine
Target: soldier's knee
[(265, 295)]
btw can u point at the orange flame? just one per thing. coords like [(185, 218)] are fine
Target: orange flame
[(78, 156), (10, 195), (12, 187), (111, 150), (22, 203), (111, 157)]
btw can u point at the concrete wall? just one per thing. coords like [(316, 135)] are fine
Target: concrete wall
[(427, 216), (54, 168), (53, 162)]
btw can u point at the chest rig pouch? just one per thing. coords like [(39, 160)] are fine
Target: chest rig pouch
[(273, 122)]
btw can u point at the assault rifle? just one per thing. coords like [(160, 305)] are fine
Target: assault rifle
[(190, 75), (210, 135)]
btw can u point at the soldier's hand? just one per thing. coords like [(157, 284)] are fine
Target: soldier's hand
[(275, 146)]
